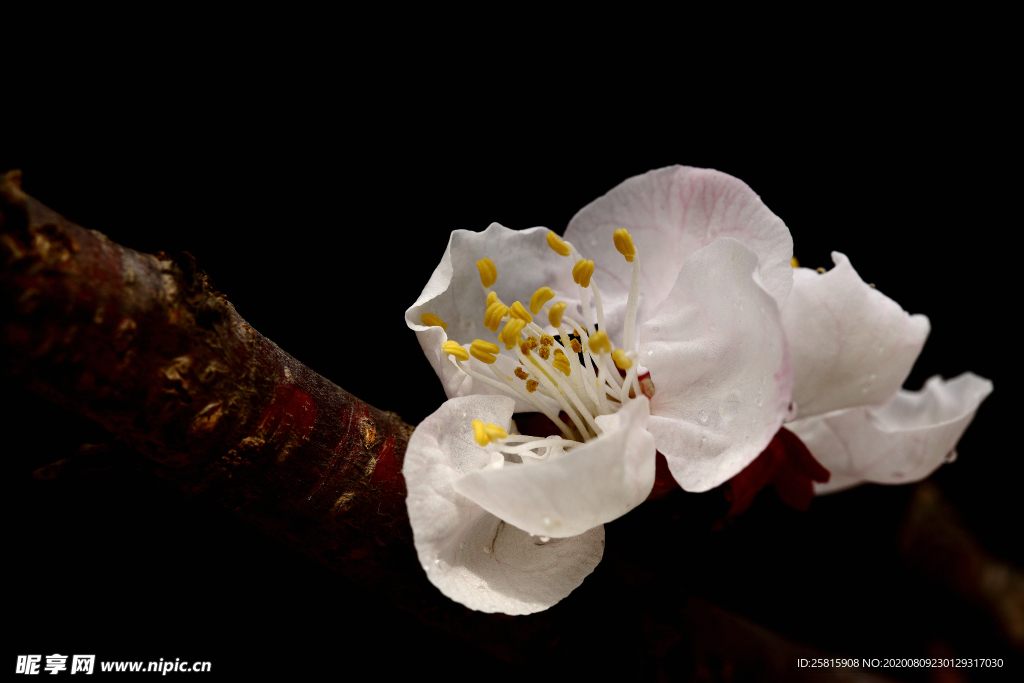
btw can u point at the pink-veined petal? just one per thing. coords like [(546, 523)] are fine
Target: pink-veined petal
[(472, 556), (718, 360), (899, 443), (569, 494), (524, 263), (850, 345), (671, 213)]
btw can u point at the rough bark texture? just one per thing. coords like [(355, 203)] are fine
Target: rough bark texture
[(145, 346)]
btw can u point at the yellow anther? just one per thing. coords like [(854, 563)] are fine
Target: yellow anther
[(821, 270), (531, 342), (622, 361), (452, 348), (547, 340), (492, 317), (531, 385), (431, 320), (495, 432), (575, 345), (510, 333), (582, 272), (561, 362), (525, 348), (492, 297), (794, 262), (483, 351), (521, 374), (545, 352), (555, 314), (518, 311), (599, 342), (624, 243), (484, 434), (539, 298), (488, 271), (556, 243)]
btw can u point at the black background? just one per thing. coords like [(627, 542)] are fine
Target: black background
[(320, 201)]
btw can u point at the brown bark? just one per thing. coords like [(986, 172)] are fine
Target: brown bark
[(146, 347)]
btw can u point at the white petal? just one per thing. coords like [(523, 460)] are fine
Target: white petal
[(718, 360), (898, 443), (469, 554), (524, 263), (850, 344), (671, 213), (581, 489)]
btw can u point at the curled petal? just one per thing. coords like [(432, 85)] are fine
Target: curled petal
[(671, 213), (899, 443), (470, 555), (524, 262), (717, 356), (850, 344), (569, 494)]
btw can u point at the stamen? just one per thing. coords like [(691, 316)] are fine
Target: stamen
[(492, 298), (582, 272), (556, 243), (521, 374), (453, 348), (555, 314), (518, 311), (794, 262), (575, 345), (545, 352), (599, 342), (622, 362), (560, 362), (488, 272), (539, 298), (431, 320), (547, 340), (624, 243), (492, 317), (629, 331), (510, 333), (484, 434), (563, 394), (531, 385), (483, 351)]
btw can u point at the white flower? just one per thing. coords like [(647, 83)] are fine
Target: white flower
[(852, 347), (698, 306), (702, 314)]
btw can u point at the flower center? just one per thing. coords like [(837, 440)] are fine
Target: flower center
[(576, 373)]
